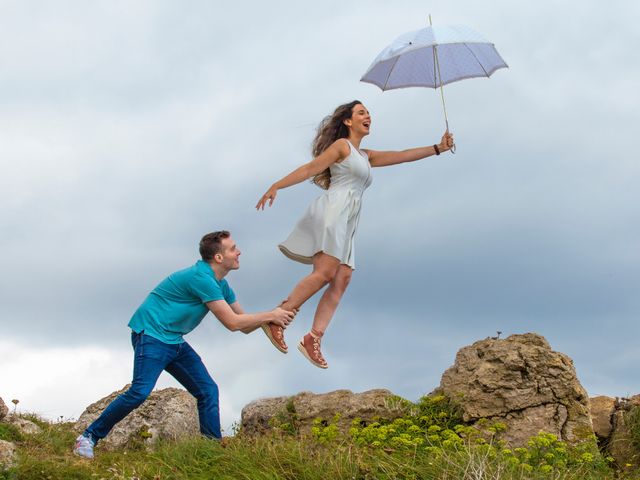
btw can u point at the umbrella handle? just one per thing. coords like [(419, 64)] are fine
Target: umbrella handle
[(446, 120)]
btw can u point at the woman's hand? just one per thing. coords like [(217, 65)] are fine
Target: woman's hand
[(270, 196), (446, 142)]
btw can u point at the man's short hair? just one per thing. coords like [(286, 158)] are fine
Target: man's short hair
[(210, 244)]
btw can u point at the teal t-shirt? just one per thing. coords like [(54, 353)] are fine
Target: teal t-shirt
[(177, 305)]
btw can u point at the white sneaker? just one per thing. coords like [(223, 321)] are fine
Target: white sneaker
[(83, 447)]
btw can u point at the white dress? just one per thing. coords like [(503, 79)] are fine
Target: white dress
[(329, 225)]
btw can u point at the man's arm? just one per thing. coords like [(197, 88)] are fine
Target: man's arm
[(234, 318), (237, 308)]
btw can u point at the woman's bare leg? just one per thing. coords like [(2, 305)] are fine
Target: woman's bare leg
[(331, 298), (324, 270), (310, 344)]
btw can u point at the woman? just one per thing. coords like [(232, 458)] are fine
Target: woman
[(324, 237)]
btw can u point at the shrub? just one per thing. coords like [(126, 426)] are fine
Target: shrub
[(286, 421)]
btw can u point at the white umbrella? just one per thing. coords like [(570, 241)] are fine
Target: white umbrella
[(433, 57)]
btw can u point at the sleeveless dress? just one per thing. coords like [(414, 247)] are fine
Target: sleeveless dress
[(329, 225)]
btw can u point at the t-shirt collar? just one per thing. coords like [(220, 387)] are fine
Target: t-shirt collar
[(203, 266)]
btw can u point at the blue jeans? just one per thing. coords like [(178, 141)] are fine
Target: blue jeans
[(151, 357)]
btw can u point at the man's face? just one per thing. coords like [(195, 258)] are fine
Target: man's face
[(230, 254)]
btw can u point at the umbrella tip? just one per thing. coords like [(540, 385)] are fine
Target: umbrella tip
[(430, 23)]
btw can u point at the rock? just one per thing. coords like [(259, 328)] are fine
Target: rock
[(3, 409), (299, 411), (521, 382), (602, 409), (25, 426), (170, 413), (621, 443), (259, 415), (7, 454)]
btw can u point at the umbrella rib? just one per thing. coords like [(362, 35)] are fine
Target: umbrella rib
[(479, 62), (386, 81)]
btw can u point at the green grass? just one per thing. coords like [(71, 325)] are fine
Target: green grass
[(9, 433), (428, 443), (633, 422)]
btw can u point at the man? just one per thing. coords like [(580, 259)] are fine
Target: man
[(174, 308)]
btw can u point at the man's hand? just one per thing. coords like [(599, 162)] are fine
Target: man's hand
[(234, 318), (281, 317)]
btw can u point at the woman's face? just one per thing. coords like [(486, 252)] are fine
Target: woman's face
[(360, 121)]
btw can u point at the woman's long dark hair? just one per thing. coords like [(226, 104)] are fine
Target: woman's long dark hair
[(331, 128)]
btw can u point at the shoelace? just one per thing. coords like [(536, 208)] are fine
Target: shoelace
[(316, 350)]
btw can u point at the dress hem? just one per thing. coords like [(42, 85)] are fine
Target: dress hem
[(296, 257)]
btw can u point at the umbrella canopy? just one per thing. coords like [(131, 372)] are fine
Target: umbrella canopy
[(432, 57)]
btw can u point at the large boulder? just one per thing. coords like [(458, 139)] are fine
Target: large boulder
[(7, 454), (298, 412), (3, 409), (602, 410), (23, 425), (521, 382), (170, 413)]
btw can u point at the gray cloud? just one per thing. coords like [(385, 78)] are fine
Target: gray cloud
[(129, 130)]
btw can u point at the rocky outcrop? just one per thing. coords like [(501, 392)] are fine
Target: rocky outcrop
[(519, 381), (299, 411), (7, 454), (622, 444), (523, 383), (170, 413), (3, 409), (602, 410), (24, 426)]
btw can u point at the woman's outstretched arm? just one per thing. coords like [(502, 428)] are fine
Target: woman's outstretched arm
[(336, 151), (385, 159)]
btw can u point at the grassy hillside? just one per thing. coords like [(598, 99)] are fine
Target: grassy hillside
[(428, 443)]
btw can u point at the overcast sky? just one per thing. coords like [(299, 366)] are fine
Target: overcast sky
[(130, 129)]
